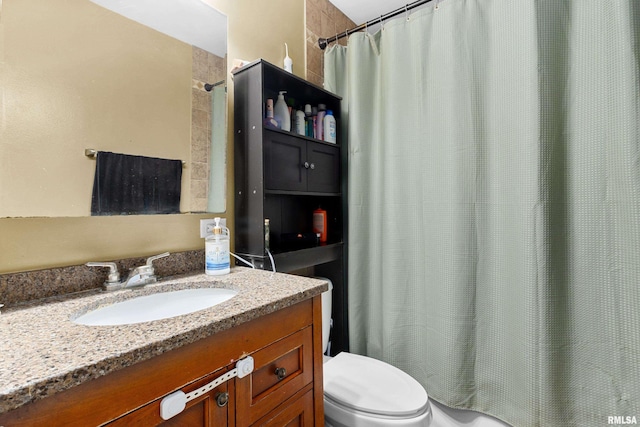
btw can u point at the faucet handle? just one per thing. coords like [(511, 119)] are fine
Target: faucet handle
[(114, 276), (155, 257)]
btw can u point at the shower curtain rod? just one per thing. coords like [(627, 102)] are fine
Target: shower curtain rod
[(208, 86), (323, 43)]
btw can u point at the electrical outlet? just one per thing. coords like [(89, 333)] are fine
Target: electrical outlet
[(206, 226)]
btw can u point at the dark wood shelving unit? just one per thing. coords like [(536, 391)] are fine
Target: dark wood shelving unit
[(284, 177)]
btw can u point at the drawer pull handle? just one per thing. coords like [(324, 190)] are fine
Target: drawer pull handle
[(222, 399), (281, 373)]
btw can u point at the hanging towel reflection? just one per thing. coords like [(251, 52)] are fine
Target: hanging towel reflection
[(133, 185)]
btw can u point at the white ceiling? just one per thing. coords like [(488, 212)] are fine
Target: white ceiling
[(190, 21)]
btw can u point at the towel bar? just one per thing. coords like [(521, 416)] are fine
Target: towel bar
[(91, 153)]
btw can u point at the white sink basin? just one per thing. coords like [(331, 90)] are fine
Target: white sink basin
[(156, 306)]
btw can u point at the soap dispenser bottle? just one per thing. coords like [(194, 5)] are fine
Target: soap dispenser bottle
[(281, 111), (217, 259)]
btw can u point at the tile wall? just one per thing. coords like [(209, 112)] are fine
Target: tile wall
[(207, 68), (323, 20)]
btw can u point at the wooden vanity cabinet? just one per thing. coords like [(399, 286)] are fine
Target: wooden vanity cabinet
[(285, 387), (282, 370)]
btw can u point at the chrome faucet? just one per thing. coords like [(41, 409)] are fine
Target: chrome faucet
[(139, 276)]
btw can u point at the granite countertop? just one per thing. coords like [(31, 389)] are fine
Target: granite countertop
[(43, 352)]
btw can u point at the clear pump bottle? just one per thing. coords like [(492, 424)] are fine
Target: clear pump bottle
[(217, 261)]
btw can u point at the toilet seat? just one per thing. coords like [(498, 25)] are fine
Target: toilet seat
[(373, 387)]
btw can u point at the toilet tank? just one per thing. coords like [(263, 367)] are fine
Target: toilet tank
[(326, 315)]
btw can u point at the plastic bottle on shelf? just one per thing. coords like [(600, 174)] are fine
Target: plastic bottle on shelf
[(266, 235), (299, 122), (288, 62), (320, 121), (281, 112), (308, 120), (314, 122), (269, 120), (320, 224), (330, 127)]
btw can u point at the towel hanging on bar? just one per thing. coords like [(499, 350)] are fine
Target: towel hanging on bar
[(134, 185)]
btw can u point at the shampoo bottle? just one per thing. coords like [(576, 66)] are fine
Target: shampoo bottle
[(217, 261), (300, 122), (281, 112), (320, 224), (330, 127)]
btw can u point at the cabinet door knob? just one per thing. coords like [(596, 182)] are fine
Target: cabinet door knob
[(222, 399), (306, 165), (312, 166), (281, 373)]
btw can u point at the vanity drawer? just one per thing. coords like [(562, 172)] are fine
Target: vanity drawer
[(281, 369)]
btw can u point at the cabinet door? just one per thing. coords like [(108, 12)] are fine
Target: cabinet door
[(284, 162), (209, 409), (324, 168), (297, 414), (281, 370)]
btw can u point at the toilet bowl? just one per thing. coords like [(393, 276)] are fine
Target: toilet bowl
[(360, 391)]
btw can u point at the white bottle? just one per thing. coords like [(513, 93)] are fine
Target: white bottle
[(300, 122), (330, 127), (288, 62), (281, 112), (217, 261)]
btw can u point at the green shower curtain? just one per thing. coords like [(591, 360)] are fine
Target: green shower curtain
[(216, 199), (494, 204)]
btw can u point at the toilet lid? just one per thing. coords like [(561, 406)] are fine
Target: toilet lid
[(372, 386)]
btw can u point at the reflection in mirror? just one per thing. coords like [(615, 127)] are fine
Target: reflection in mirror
[(216, 191), (75, 76)]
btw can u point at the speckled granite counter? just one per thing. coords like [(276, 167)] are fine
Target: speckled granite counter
[(43, 352)]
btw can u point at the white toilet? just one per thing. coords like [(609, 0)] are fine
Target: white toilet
[(363, 392)]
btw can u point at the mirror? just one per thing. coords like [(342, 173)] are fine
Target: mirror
[(76, 76)]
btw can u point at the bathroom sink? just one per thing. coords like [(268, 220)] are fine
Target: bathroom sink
[(156, 306)]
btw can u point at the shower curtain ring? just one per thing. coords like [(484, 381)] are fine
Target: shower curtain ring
[(406, 11), (437, 5)]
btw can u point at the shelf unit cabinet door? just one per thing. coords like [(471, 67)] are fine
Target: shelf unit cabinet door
[(284, 162), (324, 170)]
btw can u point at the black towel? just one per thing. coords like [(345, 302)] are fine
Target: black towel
[(134, 185)]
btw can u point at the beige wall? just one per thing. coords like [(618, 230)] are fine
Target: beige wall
[(76, 76), (256, 30)]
